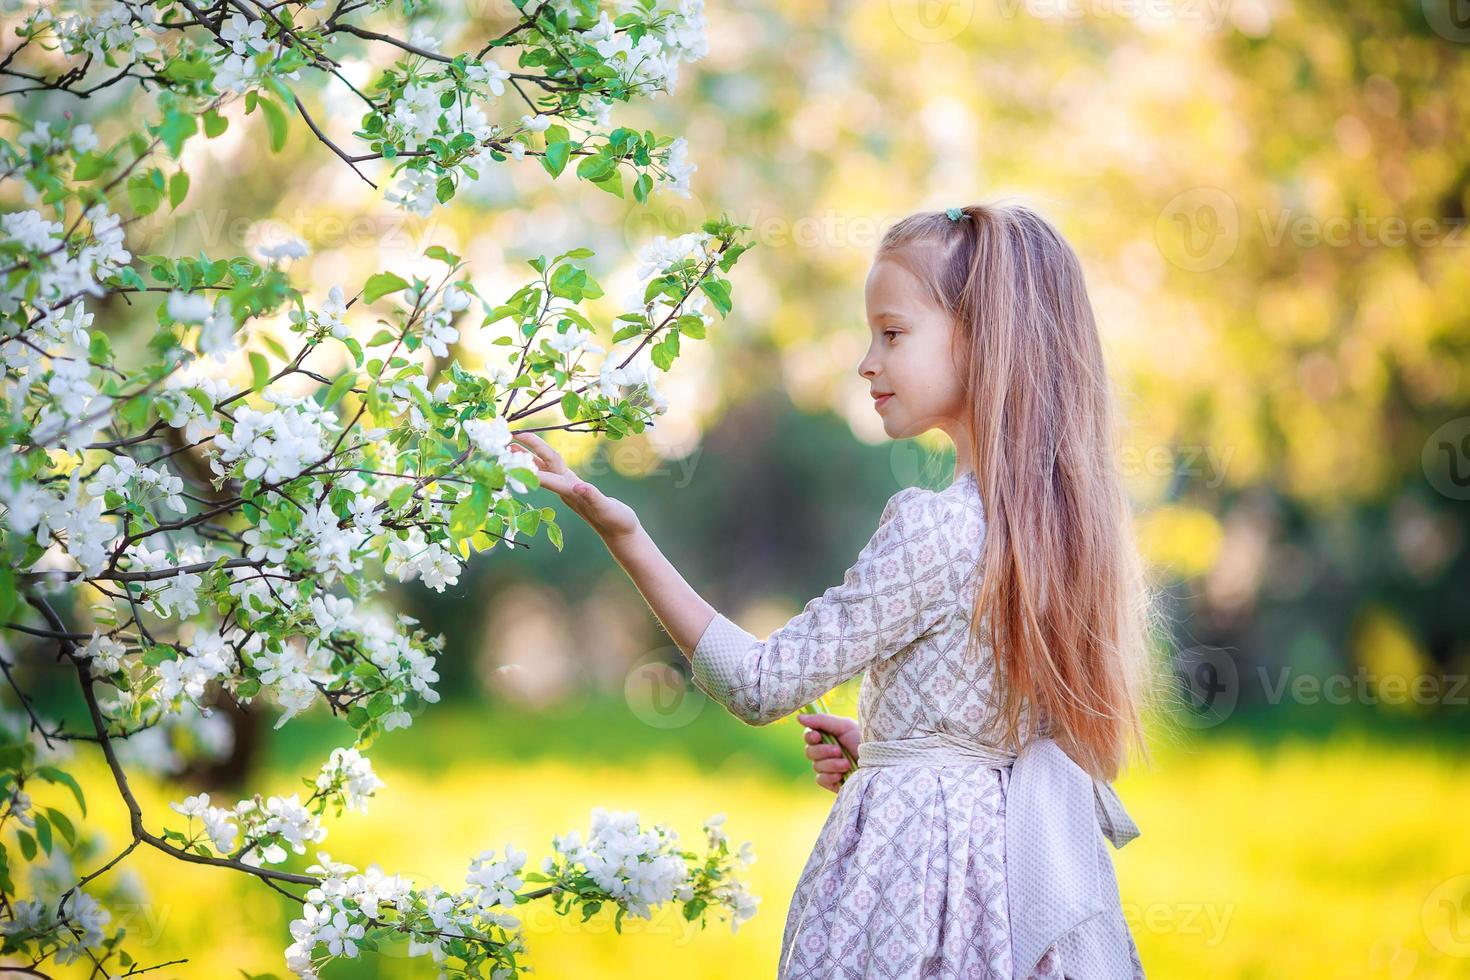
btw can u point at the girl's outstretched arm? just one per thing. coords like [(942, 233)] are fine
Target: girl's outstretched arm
[(682, 611), (902, 583)]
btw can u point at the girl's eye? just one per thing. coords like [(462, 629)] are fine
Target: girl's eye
[(890, 331)]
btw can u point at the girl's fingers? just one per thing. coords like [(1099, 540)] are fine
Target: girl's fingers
[(558, 483), (552, 470), (825, 723), (832, 765), (828, 760), (547, 458)]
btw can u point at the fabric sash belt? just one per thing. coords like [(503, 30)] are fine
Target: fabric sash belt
[(1054, 859)]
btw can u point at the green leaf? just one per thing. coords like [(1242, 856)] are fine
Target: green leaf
[(275, 122), (214, 123), (63, 824), (89, 166), (442, 254), (660, 286), (158, 653), (596, 167), (8, 595), (381, 285), (176, 128), (718, 290), (567, 282), (527, 521), (339, 388), (555, 160), (620, 138), (143, 196), (53, 775), (662, 355), (400, 496), (27, 845), (612, 183), (731, 254), (135, 411), (260, 370), (43, 833), (691, 326), (178, 189), (469, 513), (641, 187)]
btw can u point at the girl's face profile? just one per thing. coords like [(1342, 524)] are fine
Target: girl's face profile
[(910, 355)]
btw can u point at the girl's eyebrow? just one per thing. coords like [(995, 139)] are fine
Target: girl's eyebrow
[(887, 315)]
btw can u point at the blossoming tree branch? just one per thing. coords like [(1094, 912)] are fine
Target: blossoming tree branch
[(208, 518)]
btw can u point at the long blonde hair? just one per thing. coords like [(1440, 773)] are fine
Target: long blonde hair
[(1064, 598)]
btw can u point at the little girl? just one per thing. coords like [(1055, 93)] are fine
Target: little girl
[(999, 624)]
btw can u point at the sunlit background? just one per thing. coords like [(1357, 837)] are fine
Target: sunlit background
[(1269, 199)]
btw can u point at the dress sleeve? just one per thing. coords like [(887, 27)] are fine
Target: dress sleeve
[(901, 584)]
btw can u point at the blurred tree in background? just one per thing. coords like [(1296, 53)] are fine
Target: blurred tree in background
[(1270, 204)]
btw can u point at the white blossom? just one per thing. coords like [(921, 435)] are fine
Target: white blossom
[(189, 307), (495, 882), (245, 35), (105, 653), (292, 248), (350, 773), (489, 74), (573, 339)]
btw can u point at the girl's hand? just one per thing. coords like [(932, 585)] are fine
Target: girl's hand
[(608, 517), (828, 759)]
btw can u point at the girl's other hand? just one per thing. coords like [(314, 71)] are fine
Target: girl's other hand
[(828, 760), (608, 517)]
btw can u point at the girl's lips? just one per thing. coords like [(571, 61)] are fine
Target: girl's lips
[(880, 402)]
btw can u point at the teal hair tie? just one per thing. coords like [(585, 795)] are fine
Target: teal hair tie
[(954, 214)]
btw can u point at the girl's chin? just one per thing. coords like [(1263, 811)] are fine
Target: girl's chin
[(895, 428)]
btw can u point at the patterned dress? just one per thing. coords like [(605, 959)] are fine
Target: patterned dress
[(909, 875)]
